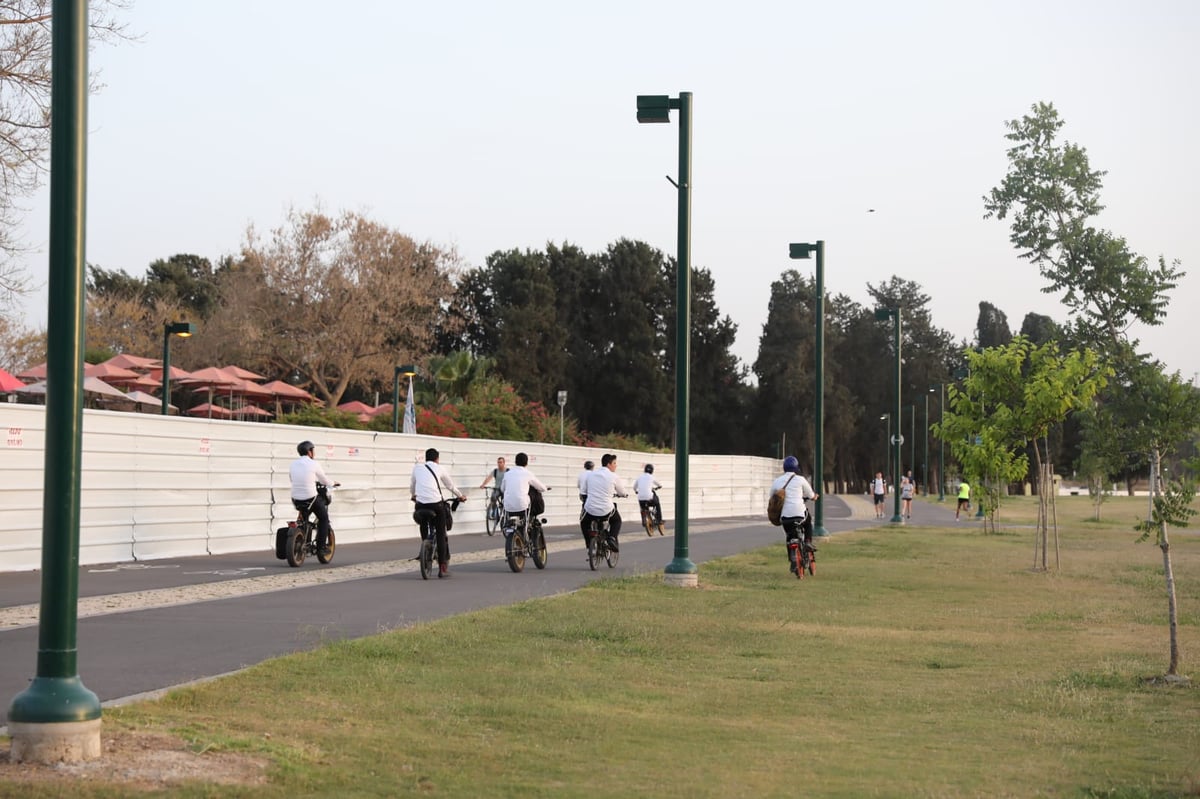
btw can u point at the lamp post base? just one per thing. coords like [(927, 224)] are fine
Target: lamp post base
[(819, 531), (681, 573), (897, 519), (61, 742)]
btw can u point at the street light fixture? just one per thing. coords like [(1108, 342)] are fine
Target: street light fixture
[(562, 404), (407, 370), (802, 251), (183, 330), (898, 440), (681, 571)]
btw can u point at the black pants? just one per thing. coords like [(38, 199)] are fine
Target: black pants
[(317, 506), (654, 505), (614, 524), (796, 528), (439, 522)]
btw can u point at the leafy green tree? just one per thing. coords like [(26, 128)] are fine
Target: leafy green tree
[(784, 368), (1172, 416), (1040, 329), (992, 328)]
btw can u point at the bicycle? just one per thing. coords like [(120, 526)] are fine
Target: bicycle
[(524, 537), (599, 545), (802, 555), (426, 519), (649, 523), (807, 555), (299, 539), (495, 512)]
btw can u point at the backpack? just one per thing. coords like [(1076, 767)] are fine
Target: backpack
[(775, 504)]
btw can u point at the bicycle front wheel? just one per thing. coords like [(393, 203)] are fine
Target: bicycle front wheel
[(493, 517), (332, 545), (539, 550), (611, 556)]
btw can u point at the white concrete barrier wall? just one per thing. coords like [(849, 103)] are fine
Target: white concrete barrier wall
[(159, 487)]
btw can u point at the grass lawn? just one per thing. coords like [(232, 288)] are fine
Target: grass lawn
[(919, 662)]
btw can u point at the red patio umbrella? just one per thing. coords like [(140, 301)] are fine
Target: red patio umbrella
[(210, 410), (34, 372), (241, 374), (177, 374), (354, 406), (113, 375), (135, 362), (9, 382)]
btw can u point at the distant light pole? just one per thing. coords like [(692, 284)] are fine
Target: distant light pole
[(562, 403), (912, 438), (681, 571), (898, 440), (941, 442), (887, 446), (183, 330), (407, 370), (802, 251), (925, 460)]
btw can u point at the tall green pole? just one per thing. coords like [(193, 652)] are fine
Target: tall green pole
[(166, 373), (819, 421), (56, 696), (396, 400), (925, 455), (941, 443), (896, 517), (681, 570)]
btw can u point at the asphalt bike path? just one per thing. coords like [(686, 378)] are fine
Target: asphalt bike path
[(144, 627)]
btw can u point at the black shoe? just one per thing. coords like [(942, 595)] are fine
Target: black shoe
[(324, 552), (443, 570), (612, 544)]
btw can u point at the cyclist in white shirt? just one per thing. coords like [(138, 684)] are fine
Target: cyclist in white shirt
[(794, 516), (517, 482), (603, 485), (644, 487), (426, 485), (305, 473)]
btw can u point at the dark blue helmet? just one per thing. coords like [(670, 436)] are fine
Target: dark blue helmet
[(791, 464)]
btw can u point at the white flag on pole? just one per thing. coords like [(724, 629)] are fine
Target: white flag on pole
[(410, 410)]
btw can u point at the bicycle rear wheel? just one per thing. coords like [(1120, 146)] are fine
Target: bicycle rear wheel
[(593, 555), (297, 546), (514, 551), (648, 521), (425, 556), (611, 556)]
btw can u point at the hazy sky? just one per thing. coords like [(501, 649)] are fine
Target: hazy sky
[(488, 126)]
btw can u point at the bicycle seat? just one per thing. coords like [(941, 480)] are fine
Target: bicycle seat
[(424, 515)]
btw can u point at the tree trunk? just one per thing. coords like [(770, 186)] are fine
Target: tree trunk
[(1168, 572)]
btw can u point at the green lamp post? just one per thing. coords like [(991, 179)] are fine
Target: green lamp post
[(56, 718), (655, 108), (803, 250), (898, 439), (407, 370), (183, 330)]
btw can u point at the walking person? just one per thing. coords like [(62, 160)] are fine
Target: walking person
[(907, 489), (796, 490), (964, 499), (426, 484), (879, 489)]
